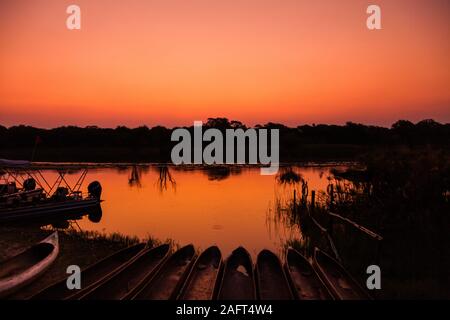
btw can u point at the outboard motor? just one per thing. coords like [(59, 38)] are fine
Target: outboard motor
[(95, 189), (29, 184)]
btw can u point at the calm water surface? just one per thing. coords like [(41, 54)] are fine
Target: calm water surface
[(224, 207)]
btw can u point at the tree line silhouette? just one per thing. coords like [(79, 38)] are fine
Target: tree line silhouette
[(92, 143)]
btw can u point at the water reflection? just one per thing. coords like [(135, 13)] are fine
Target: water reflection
[(288, 176), (165, 179), (217, 173), (226, 206), (93, 215), (96, 214), (135, 176)]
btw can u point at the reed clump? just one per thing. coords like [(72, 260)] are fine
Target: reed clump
[(401, 194)]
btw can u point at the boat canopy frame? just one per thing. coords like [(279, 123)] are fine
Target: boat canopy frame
[(19, 173)]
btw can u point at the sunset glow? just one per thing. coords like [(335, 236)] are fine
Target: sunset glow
[(171, 62)]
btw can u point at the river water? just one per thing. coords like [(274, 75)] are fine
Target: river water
[(225, 206)]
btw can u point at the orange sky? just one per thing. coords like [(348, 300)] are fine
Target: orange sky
[(172, 62)]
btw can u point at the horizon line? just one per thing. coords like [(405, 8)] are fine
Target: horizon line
[(312, 124)]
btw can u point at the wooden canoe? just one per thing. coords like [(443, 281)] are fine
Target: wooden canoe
[(92, 275), (201, 282), (128, 279), (166, 283), (271, 281), (22, 269), (237, 280), (340, 283), (305, 282)]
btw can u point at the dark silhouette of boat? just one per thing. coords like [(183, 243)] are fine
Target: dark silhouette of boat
[(124, 282), (202, 280), (49, 209), (167, 281), (92, 275), (31, 201), (340, 283), (305, 282), (271, 281), (237, 281)]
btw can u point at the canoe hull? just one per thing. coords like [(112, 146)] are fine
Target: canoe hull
[(201, 283), (92, 275), (238, 281), (125, 281), (271, 280), (22, 269), (340, 283), (305, 282), (169, 278)]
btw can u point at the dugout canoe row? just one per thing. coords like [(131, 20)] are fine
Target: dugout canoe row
[(142, 273)]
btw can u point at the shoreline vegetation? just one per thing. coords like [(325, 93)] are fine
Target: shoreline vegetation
[(392, 213), (143, 144)]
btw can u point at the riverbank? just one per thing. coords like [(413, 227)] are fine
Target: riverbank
[(106, 154), (76, 248)]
